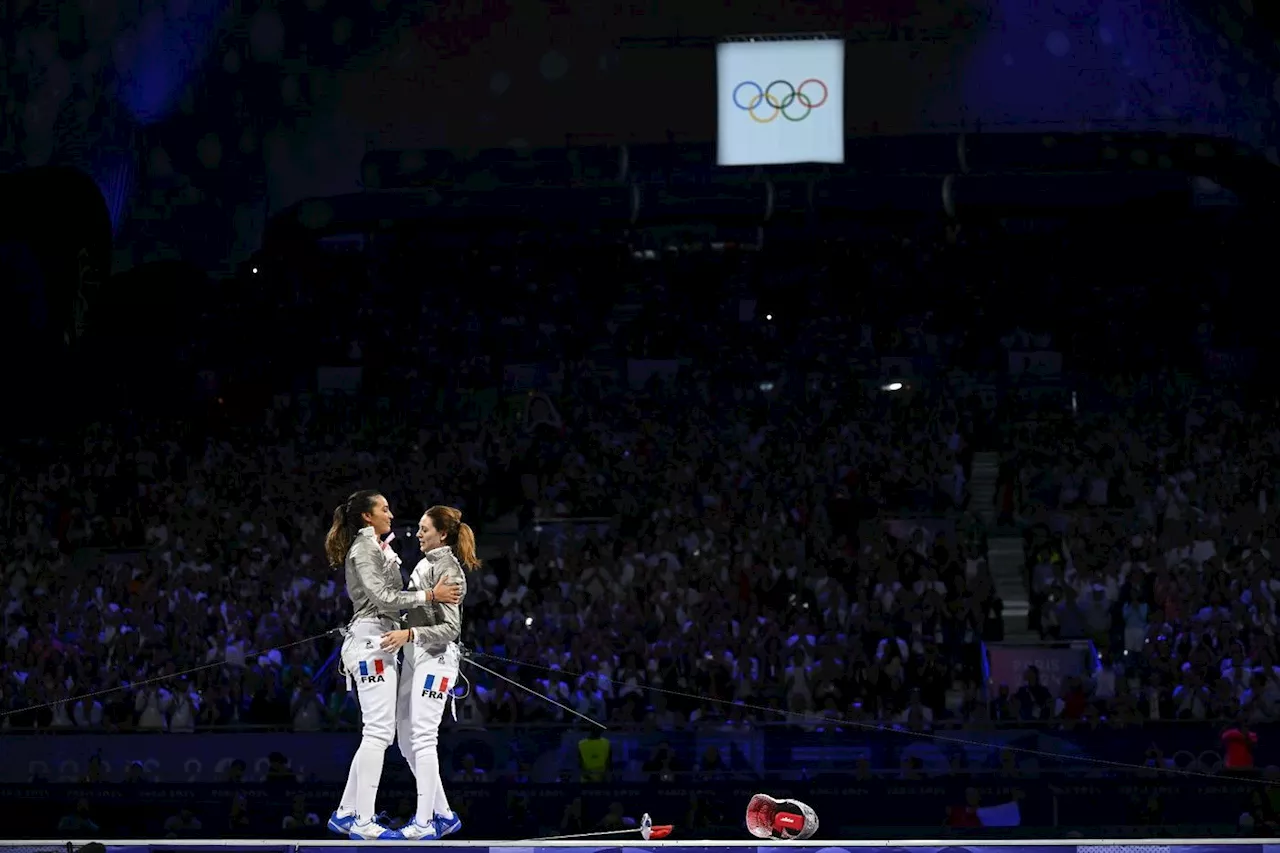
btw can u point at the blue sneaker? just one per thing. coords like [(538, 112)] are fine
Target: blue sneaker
[(447, 825), (341, 824), (373, 831), (414, 831)]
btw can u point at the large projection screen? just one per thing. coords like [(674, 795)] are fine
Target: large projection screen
[(780, 102)]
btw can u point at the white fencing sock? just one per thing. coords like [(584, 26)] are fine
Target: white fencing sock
[(429, 787), (347, 805), (368, 762), (441, 806)]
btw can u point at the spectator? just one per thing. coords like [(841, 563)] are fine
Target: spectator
[(1001, 706), (965, 816), (94, 774), (269, 705), (184, 707), (1033, 700), (79, 823), (299, 818), (236, 771), (183, 825), (1073, 704), (712, 764), (663, 764), (469, 772), (239, 824), (1264, 804), (572, 822), (278, 769), (615, 819), (594, 757), (916, 717), (1239, 741), (87, 713), (307, 707), (152, 705), (62, 718)]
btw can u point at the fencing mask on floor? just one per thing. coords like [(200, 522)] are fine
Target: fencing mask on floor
[(780, 820)]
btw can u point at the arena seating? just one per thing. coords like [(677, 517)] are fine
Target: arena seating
[(165, 524), (770, 440)]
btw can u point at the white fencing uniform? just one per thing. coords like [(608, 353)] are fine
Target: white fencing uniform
[(427, 678), (374, 584)]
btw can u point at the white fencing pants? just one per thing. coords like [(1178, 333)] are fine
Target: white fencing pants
[(372, 672), (425, 684)]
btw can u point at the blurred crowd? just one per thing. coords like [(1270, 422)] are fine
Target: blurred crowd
[(743, 493), (1150, 532), (207, 549), (146, 550), (188, 545)]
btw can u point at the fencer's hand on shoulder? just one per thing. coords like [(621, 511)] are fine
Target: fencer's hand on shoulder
[(447, 591), (393, 640)]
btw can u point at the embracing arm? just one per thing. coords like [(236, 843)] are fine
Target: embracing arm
[(382, 582)]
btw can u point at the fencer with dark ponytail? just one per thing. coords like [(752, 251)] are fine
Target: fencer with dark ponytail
[(348, 518)]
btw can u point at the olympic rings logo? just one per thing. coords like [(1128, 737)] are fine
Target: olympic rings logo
[(781, 104)]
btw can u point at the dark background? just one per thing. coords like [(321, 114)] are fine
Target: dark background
[(188, 107)]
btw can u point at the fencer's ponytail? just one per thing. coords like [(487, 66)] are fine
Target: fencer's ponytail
[(338, 542), (466, 548), (457, 535), (348, 518)]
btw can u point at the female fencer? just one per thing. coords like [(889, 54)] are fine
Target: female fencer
[(431, 662), (375, 587)]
